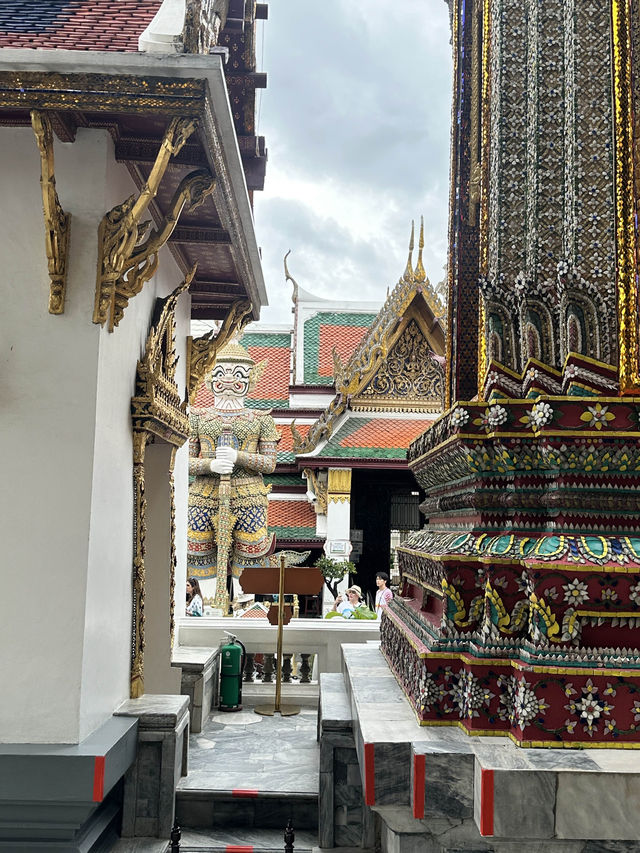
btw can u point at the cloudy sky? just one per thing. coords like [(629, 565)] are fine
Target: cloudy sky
[(356, 116)]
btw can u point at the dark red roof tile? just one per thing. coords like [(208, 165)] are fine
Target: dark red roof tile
[(76, 24)]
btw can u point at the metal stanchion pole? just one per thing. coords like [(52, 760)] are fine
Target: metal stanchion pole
[(285, 710)]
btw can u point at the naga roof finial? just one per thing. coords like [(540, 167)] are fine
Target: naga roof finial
[(408, 272), (289, 277), (420, 272)]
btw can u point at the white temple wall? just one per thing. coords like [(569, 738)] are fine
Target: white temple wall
[(67, 518), (106, 664), (49, 371)]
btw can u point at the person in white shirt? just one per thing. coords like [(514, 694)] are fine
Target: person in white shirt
[(384, 594)]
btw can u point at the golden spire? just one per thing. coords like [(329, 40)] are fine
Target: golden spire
[(420, 273), (408, 273)]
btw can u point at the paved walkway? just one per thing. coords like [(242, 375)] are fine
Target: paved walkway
[(242, 750)]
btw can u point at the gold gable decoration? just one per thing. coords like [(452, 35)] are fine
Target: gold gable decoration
[(372, 354), (409, 378)]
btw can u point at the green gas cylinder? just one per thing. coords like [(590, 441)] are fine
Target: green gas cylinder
[(232, 658)]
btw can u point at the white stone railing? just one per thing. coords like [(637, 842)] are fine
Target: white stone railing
[(319, 637)]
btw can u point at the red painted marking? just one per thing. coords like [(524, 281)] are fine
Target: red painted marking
[(419, 784), (369, 775), (98, 778), (244, 792), (486, 802), (239, 848)]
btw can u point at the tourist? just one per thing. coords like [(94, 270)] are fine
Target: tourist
[(351, 606), (384, 594), (194, 598)]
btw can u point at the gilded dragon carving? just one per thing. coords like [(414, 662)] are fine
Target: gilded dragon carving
[(125, 259)]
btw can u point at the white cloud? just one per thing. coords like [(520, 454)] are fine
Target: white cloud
[(356, 118)]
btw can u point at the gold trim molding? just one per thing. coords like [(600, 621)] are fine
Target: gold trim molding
[(202, 352), (102, 93), (339, 485), (157, 413), (629, 359), (126, 260), (57, 223)]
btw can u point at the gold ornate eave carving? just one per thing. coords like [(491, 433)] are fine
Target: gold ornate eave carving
[(102, 93), (126, 260), (157, 407), (201, 352), (415, 405), (57, 223)]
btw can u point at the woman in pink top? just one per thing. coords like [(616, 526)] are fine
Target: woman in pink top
[(384, 594)]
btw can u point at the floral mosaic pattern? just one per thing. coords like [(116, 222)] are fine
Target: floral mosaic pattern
[(546, 707)]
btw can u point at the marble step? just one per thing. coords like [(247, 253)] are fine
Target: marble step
[(244, 840), (249, 809)]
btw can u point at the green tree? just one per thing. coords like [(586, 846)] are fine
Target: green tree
[(333, 572)]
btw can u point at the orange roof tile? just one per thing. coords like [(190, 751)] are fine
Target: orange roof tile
[(274, 382), (344, 338), (286, 442), (291, 514), (386, 432)]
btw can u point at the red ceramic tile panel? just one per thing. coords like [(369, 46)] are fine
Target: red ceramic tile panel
[(286, 442), (274, 382), (344, 338), (386, 432), (254, 613), (90, 25), (204, 397), (291, 514)]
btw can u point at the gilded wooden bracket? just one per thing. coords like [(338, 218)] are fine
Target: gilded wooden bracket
[(319, 489), (201, 352), (57, 222), (124, 262)]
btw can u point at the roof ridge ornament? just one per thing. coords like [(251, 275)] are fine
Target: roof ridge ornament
[(408, 270), (289, 277), (420, 273)]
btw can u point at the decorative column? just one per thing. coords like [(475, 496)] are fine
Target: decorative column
[(338, 544)]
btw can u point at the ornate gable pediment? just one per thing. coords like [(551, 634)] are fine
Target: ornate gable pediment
[(408, 379)]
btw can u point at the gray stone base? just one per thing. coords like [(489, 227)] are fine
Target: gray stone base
[(438, 789), (161, 760), (65, 797), (200, 681), (344, 819)]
